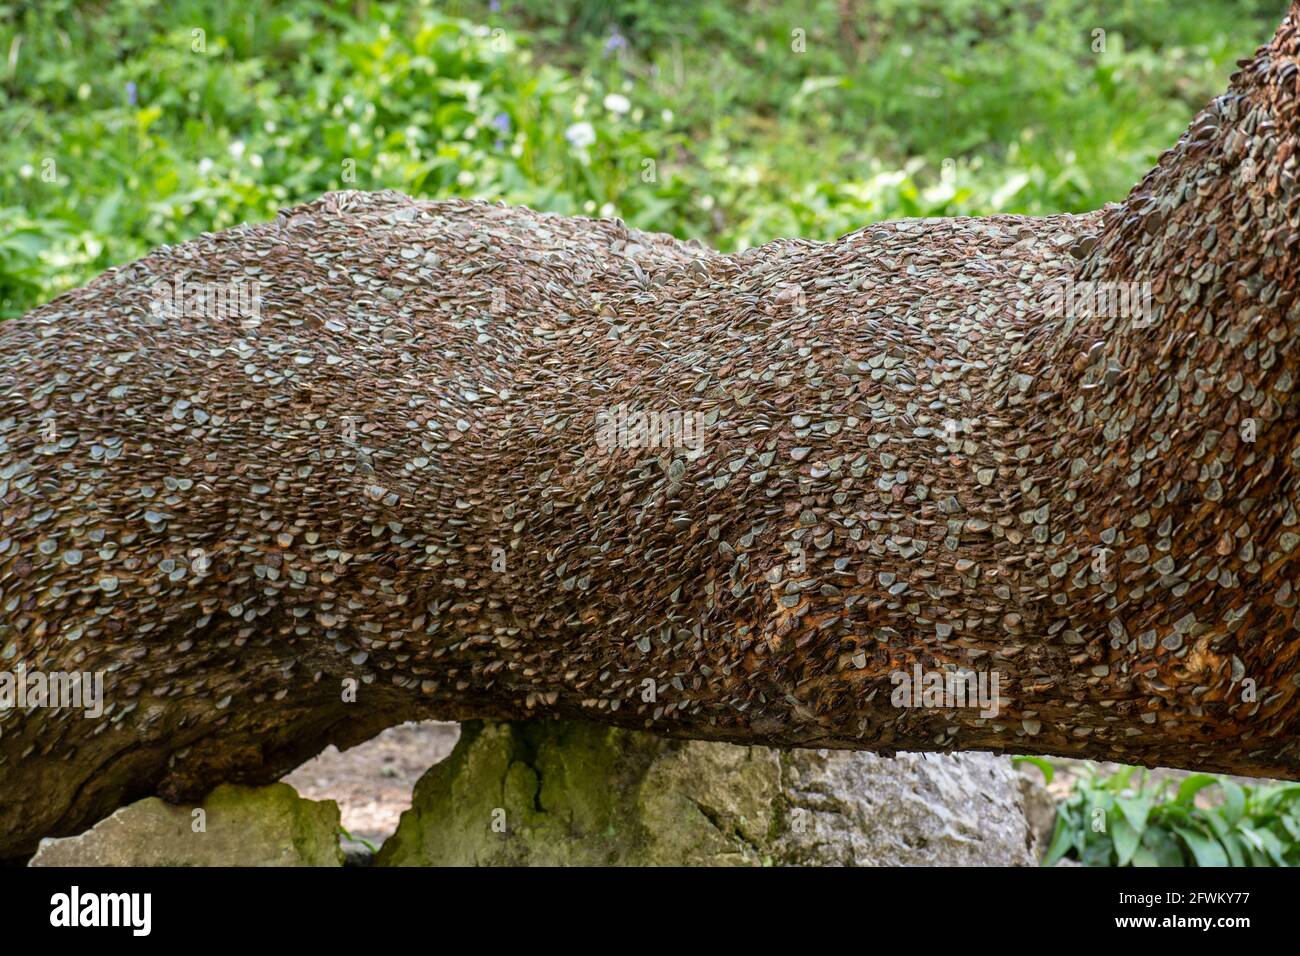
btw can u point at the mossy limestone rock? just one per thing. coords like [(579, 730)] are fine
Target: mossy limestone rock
[(242, 826), (548, 793)]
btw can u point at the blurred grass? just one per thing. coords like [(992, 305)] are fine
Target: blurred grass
[(140, 122)]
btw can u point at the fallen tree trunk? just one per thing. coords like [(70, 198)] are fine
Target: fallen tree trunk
[(383, 460)]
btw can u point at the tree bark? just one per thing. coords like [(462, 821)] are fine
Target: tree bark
[(395, 462)]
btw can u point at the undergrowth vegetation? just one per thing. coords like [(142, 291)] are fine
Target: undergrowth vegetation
[(1134, 817), (141, 122)]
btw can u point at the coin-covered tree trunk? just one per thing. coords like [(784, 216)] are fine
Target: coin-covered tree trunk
[(382, 460)]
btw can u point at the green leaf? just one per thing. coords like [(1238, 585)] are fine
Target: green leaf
[(1119, 780), (1099, 852), (1043, 765), (1193, 785), (1273, 846), (1136, 810), (1062, 840), (1145, 857), (1205, 849), (1257, 844), (1126, 839), (1232, 843), (1234, 800), (1226, 835), (1166, 849)]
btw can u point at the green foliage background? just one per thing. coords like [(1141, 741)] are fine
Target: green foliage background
[(1136, 817), (893, 108)]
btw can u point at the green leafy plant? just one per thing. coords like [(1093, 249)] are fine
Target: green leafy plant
[(23, 242), (1131, 819), (125, 130)]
